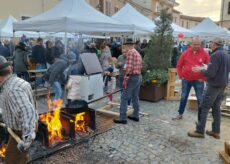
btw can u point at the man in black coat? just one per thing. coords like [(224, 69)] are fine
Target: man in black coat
[(217, 73), (39, 58), (38, 54)]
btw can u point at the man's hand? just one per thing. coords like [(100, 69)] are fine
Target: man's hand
[(125, 81), (196, 69), (24, 145), (205, 66)]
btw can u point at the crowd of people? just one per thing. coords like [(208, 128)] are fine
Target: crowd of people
[(195, 67)]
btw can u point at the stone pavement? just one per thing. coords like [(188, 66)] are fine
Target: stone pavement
[(156, 139)]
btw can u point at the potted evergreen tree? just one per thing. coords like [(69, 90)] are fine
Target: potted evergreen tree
[(157, 59)]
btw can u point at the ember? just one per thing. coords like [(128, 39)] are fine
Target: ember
[(3, 150)]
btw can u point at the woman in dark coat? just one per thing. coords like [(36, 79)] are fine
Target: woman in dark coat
[(20, 59)]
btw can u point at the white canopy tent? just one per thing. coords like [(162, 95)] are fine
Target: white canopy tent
[(178, 29), (207, 28), (6, 29), (130, 15), (73, 16)]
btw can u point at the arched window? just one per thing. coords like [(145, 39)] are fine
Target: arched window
[(228, 7)]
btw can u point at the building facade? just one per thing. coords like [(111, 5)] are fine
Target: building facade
[(21, 9), (225, 14), (149, 8), (189, 21)]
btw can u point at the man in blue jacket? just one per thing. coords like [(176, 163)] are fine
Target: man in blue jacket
[(217, 73)]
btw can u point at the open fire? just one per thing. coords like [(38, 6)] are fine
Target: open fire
[(52, 120), (2, 150), (80, 124), (60, 123)]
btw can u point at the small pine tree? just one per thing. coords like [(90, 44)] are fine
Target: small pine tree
[(158, 54)]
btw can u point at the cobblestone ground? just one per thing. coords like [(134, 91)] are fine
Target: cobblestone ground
[(156, 139)]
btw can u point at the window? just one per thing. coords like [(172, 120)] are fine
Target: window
[(187, 24), (101, 6), (175, 19), (24, 17), (116, 9), (182, 23), (228, 8), (108, 8), (158, 7)]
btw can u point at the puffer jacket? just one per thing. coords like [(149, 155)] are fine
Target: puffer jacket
[(73, 87)]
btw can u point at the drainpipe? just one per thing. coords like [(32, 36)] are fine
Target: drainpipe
[(222, 12)]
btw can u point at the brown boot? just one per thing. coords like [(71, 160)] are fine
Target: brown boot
[(213, 134), (195, 134)]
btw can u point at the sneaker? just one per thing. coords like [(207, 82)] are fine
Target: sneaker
[(195, 134), (133, 118), (117, 121), (213, 134), (178, 117)]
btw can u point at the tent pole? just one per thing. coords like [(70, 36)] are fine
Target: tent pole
[(65, 42), (14, 39), (133, 38)]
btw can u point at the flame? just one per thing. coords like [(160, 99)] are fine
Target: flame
[(3, 150), (52, 120), (80, 124)]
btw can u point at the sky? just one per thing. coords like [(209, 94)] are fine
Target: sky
[(200, 8)]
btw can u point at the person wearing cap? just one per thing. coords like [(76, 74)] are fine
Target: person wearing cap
[(191, 57), (18, 112), (131, 83), (216, 72)]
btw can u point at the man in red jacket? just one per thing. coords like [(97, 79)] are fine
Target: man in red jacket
[(194, 56)]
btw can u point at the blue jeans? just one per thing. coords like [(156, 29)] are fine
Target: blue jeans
[(131, 92), (213, 97), (120, 81), (57, 90), (40, 80), (186, 87)]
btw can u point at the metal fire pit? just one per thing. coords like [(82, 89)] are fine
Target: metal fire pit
[(68, 129), (41, 146), (90, 116)]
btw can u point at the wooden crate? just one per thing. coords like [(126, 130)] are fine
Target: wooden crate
[(225, 157), (192, 102), (172, 92), (172, 74)]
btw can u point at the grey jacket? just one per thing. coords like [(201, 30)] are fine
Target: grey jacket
[(56, 71)]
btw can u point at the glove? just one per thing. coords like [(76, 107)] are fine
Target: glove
[(24, 145), (124, 83)]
